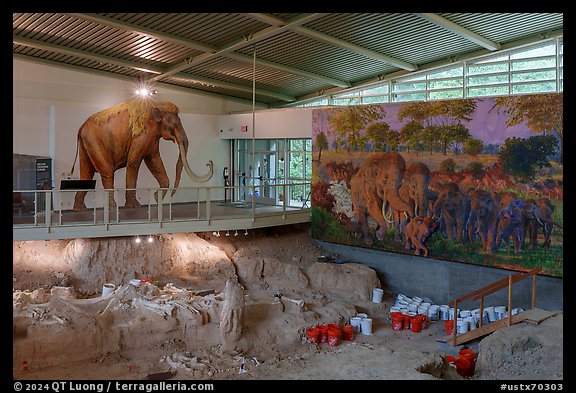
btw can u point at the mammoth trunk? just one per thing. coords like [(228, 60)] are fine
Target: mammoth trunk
[(395, 200), (183, 162)]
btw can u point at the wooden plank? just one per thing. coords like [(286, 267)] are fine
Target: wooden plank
[(501, 284)]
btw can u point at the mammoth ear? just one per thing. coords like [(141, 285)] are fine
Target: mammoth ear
[(157, 114)]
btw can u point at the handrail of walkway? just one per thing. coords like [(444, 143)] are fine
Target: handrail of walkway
[(199, 207)]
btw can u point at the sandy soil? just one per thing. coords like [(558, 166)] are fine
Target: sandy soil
[(173, 327)]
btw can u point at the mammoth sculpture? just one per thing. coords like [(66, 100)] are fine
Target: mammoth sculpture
[(483, 218), (418, 230), (373, 187), (510, 220), (124, 136), (452, 206)]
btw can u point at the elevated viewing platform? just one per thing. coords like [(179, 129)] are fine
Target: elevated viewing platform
[(193, 211)]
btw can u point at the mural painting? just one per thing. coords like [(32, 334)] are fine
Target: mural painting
[(472, 180)]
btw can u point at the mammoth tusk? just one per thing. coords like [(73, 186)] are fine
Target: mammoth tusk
[(405, 215), (191, 174), (539, 222)]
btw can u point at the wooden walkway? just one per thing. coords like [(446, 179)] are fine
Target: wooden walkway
[(533, 315)]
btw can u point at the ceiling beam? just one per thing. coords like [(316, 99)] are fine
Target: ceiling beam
[(143, 67), (459, 30), (239, 44), (125, 26), (291, 70), (338, 42)]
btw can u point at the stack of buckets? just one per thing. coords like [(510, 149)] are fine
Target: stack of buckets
[(406, 311), (412, 314), (464, 363), (330, 334)]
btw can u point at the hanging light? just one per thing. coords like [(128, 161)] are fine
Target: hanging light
[(150, 239), (246, 233), (236, 233), (227, 233), (138, 240)]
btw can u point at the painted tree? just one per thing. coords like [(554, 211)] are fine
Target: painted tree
[(376, 134), (472, 146), (320, 143), (442, 119), (347, 123), (410, 136), (522, 157), (543, 113)]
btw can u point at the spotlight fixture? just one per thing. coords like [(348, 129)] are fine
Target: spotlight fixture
[(137, 239), (227, 233), (246, 233), (150, 239), (214, 234), (217, 233), (236, 233)]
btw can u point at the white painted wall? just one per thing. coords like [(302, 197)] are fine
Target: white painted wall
[(271, 123)]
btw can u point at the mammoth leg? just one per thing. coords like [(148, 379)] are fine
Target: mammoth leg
[(87, 172), (156, 167), (375, 211), (131, 178)]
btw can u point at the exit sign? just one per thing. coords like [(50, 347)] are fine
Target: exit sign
[(244, 128)]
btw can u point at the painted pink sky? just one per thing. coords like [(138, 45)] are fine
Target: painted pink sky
[(489, 126)]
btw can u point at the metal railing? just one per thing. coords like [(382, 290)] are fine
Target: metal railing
[(187, 204), (197, 208)]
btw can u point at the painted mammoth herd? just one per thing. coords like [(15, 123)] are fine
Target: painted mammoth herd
[(125, 135), (406, 200)]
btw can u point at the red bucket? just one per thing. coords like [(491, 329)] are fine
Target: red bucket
[(314, 335), (333, 337), (323, 333), (449, 326), (416, 324), (348, 332), (397, 321), (467, 354), (464, 367), (406, 321)]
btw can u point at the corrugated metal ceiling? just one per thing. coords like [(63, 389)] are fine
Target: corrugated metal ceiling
[(299, 56)]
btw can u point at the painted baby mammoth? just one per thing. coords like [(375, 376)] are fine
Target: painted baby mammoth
[(418, 230), (125, 135), (373, 187)]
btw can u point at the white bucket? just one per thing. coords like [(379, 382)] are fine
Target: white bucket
[(356, 324), (499, 311), (394, 309), (362, 315), (462, 325), (517, 310), (465, 313), (451, 313), (490, 313), (471, 323), (107, 289), (433, 312), (413, 308), (417, 299), (377, 294), (444, 312), (366, 325), (422, 310)]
